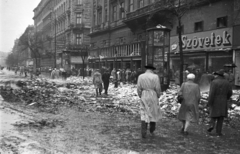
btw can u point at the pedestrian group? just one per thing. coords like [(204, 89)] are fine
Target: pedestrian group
[(149, 91)]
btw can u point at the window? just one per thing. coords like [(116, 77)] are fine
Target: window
[(114, 13), (78, 39), (106, 15), (79, 2), (122, 11), (131, 6), (104, 43), (182, 29), (79, 18), (99, 17), (222, 22), (140, 5), (198, 26)]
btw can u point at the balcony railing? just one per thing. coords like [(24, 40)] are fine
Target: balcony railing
[(162, 5), (78, 8), (77, 26), (126, 50), (146, 10)]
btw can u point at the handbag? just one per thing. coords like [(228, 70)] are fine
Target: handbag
[(180, 97)]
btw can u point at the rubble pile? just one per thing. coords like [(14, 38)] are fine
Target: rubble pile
[(42, 94), (48, 94), (168, 101)]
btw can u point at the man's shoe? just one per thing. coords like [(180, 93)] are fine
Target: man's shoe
[(210, 129), (185, 133), (144, 135), (182, 130), (219, 134)]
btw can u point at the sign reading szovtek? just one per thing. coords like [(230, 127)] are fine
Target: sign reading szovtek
[(221, 38)]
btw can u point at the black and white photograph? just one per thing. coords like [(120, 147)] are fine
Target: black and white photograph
[(119, 76)]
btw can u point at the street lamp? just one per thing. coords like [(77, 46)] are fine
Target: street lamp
[(159, 52)]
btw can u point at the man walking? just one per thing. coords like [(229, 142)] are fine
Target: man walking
[(220, 92), (105, 78), (148, 88)]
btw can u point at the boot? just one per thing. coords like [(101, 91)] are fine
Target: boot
[(152, 127), (96, 92)]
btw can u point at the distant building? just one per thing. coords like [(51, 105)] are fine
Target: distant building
[(3, 56), (65, 25)]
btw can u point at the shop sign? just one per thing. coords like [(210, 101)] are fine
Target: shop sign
[(221, 38)]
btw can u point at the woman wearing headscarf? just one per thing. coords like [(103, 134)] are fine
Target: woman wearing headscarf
[(188, 111), (97, 81)]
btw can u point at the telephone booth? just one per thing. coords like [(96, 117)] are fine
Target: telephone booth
[(158, 53)]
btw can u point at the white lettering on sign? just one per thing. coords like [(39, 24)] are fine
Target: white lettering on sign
[(212, 41)]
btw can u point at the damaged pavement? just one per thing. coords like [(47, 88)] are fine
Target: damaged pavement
[(64, 117)]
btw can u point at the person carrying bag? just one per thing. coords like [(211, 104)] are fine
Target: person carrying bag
[(189, 111)]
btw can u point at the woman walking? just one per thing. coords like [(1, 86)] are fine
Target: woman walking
[(97, 81), (188, 111)]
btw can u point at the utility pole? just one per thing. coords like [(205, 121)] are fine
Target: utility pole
[(55, 42), (180, 45)]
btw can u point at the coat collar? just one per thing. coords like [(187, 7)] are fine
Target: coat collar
[(149, 71)]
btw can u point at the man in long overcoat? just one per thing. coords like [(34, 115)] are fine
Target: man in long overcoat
[(148, 88), (105, 78), (220, 92)]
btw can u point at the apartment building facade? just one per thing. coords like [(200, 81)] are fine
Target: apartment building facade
[(65, 25), (119, 33), (113, 44)]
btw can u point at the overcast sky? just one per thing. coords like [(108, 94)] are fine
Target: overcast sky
[(15, 16)]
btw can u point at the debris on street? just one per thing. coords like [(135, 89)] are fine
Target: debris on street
[(47, 95)]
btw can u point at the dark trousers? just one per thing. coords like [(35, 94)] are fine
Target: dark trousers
[(219, 124), (144, 128), (106, 85), (99, 90)]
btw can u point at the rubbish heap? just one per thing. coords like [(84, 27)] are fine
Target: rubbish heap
[(47, 95), (168, 103)]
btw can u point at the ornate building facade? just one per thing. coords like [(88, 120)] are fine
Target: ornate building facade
[(65, 25), (119, 32)]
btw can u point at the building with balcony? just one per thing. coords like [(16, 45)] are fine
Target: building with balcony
[(113, 44), (208, 27), (65, 25)]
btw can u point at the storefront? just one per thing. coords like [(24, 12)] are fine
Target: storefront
[(203, 51), (119, 57)]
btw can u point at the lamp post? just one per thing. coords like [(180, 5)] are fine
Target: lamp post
[(158, 44)]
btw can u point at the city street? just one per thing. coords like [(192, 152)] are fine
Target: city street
[(81, 128)]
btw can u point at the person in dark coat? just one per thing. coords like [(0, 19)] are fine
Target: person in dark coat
[(105, 78), (220, 92), (188, 111)]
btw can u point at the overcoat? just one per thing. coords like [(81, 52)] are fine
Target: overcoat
[(105, 78), (148, 88), (191, 98), (220, 92), (97, 80)]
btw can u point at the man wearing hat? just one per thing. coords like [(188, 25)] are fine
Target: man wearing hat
[(148, 88), (220, 92)]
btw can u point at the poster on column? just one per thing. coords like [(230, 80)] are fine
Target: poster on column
[(158, 59)]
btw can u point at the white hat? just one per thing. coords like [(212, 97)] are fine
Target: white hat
[(190, 76)]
